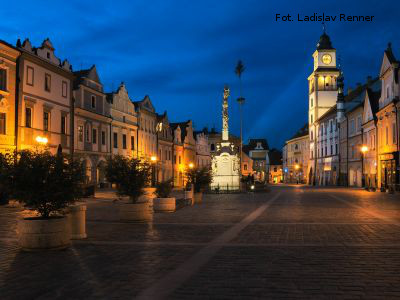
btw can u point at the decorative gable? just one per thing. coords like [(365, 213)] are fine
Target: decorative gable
[(46, 51), (367, 114)]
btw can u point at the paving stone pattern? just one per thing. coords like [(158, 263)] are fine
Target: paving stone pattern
[(309, 243)]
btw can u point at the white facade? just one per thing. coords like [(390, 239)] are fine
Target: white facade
[(225, 162), (123, 124), (45, 99)]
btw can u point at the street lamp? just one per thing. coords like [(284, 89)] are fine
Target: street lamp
[(297, 167), (191, 166), (42, 140), (364, 149), (153, 161)]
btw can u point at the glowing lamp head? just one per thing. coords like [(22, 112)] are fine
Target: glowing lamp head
[(191, 165), (42, 140), (252, 187), (297, 167), (364, 149), (153, 158)]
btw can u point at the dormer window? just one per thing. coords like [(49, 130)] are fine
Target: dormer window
[(93, 101)]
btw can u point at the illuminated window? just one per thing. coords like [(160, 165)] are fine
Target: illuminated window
[(245, 167)]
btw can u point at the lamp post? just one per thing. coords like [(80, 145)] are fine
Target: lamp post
[(364, 149), (238, 71), (297, 167), (153, 160)]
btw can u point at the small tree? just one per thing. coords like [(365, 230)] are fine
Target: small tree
[(200, 178), (163, 189), (48, 183), (6, 180), (129, 174)]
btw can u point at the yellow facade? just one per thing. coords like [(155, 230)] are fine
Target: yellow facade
[(8, 58)]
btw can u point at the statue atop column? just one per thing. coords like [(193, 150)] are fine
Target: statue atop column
[(225, 118)]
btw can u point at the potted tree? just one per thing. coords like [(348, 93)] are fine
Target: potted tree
[(6, 163), (163, 202), (47, 184), (201, 179), (130, 176)]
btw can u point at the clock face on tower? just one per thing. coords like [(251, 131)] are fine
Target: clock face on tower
[(326, 59)]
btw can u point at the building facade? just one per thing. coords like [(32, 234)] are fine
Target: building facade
[(147, 135), (322, 97), (203, 157), (165, 143), (124, 123), (184, 151), (257, 150), (276, 166), (388, 122), (45, 107), (371, 106), (92, 124), (8, 79), (296, 157)]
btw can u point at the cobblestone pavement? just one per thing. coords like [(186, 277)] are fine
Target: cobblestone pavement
[(294, 242)]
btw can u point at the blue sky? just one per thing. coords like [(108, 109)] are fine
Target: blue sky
[(181, 53)]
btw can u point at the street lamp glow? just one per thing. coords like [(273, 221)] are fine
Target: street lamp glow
[(364, 149), (153, 158), (191, 165), (297, 167), (42, 140)]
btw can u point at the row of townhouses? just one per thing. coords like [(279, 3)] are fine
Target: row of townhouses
[(44, 103), (353, 137)]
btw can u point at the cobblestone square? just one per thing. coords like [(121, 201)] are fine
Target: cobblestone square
[(293, 242)]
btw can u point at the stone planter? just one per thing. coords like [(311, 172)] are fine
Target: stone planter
[(43, 234), (198, 197), (77, 221), (135, 212), (164, 204)]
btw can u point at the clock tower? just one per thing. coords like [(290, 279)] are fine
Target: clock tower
[(322, 91)]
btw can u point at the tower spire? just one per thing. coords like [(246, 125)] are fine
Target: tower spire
[(324, 27)]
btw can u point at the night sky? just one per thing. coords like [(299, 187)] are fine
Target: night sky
[(181, 53)]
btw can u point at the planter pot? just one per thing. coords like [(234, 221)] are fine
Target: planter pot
[(164, 204), (198, 197), (43, 234), (136, 212), (77, 221)]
